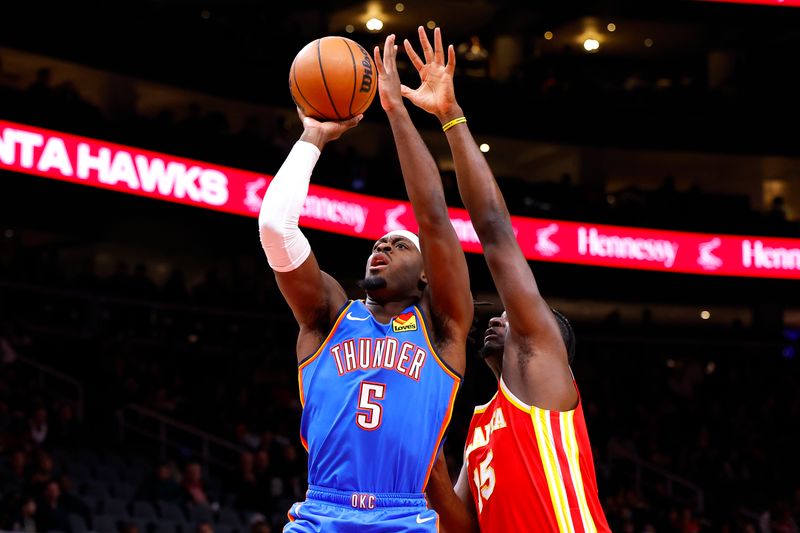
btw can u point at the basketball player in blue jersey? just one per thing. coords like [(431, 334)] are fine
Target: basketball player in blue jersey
[(378, 376)]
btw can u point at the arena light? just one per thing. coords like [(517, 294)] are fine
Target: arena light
[(548, 35), (705, 315), (485, 148), (591, 45), (89, 162), (374, 24)]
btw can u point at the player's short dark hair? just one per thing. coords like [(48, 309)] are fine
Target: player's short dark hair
[(566, 333)]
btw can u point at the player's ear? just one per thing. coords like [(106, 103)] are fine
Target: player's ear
[(423, 281)]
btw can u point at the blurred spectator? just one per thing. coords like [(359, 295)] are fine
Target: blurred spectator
[(162, 402), (204, 527), (38, 427), (7, 353), (70, 500), (44, 472), (66, 432), (258, 524), (245, 437), (52, 513), (193, 485), (777, 210), (248, 492), (161, 486), (26, 517), (16, 477), (778, 519), (129, 527)]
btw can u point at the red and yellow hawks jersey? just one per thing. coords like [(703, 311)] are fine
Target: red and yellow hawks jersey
[(531, 469)]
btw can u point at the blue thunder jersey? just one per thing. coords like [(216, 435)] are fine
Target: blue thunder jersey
[(376, 403)]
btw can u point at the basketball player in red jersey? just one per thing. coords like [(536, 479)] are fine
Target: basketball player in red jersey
[(527, 461)]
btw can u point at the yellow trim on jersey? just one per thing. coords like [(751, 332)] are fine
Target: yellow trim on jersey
[(519, 404), (573, 459), (480, 409), (552, 467), (300, 384), (330, 334), (430, 346), (549, 457)]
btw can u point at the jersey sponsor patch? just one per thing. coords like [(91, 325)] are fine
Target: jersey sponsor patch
[(404, 322)]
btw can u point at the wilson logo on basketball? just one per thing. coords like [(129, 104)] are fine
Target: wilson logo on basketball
[(404, 322), (366, 80)]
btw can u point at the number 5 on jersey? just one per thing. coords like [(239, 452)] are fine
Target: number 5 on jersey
[(484, 480), (370, 413)]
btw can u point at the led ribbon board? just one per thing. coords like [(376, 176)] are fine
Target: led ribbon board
[(95, 163)]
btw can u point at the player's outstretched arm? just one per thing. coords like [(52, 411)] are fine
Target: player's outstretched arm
[(528, 314), (454, 504), (313, 296), (445, 265)]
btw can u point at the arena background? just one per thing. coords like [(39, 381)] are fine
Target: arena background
[(148, 379)]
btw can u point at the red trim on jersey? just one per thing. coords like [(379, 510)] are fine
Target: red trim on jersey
[(445, 423), (313, 356)]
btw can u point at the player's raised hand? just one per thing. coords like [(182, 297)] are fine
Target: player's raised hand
[(435, 94), (321, 132), (388, 78)]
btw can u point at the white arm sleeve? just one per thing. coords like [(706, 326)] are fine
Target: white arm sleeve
[(283, 242)]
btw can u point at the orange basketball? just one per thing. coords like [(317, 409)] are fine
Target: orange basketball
[(333, 78)]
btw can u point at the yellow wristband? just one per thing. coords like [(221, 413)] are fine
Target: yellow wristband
[(447, 125)]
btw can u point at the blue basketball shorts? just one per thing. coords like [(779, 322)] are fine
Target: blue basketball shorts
[(334, 511)]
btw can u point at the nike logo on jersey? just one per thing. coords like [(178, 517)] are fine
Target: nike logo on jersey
[(423, 520), (364, 354), (357, 318)]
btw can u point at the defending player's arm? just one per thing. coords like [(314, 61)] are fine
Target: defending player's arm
[(445, 264), (454, 504), (313, 295), (529, 316)]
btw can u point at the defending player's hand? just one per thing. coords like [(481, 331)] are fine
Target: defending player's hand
[(321, 132), (389, 87), (435, 94)]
